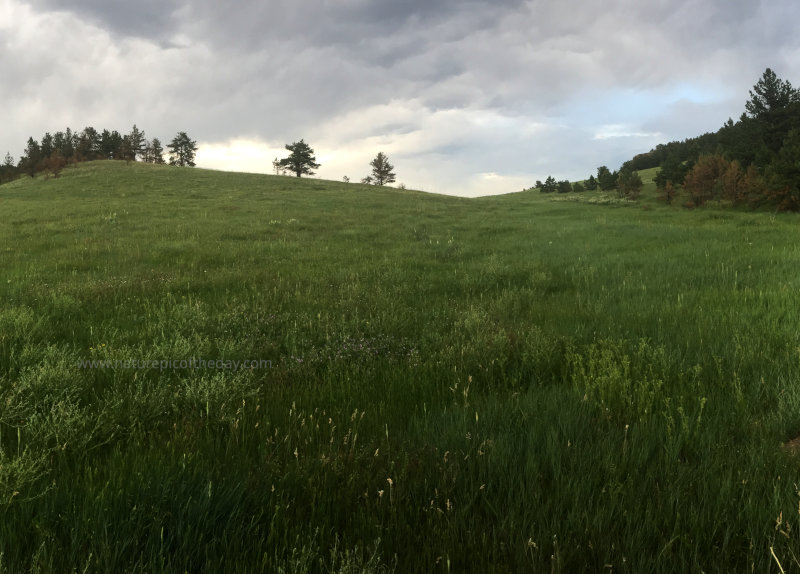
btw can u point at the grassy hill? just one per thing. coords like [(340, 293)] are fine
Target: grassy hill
[(440, 384)]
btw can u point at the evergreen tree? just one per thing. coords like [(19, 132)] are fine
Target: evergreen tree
[(301, 160), (88, 147), (110, 145), (59, 142), (770, 94), (578, 187), (47, 147), (137, 142), (30, 161), (156, 153), (8, 170), (784, 174), (182, 150), (672, 170), (591, 183), (126, 149), (70, 140), (629, 184), (605, 179), (382, 170), (550, 185)]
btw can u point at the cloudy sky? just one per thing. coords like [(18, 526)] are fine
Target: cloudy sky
[(466, 97)]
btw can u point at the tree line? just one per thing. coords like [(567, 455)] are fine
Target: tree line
[(626, 182), (55, 151), (753, 162)]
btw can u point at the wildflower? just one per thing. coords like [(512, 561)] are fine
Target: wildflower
[(390, 481)]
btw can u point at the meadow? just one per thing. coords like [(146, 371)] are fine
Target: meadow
[(503, 384)]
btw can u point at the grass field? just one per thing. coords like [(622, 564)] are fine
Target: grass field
[(501, 384)]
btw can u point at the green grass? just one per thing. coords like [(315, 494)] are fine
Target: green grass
[(501, 384)]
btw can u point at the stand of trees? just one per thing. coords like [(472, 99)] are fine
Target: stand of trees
[(627, 182), (550, 185), (55, 151), (751, 162)]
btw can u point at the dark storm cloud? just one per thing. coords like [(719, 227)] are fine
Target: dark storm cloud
[(153, 19), (349, 23)]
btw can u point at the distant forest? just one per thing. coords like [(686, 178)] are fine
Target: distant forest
[(754, 161), (55, 151)]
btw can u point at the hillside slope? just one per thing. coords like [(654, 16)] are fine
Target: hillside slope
[(491, 385)]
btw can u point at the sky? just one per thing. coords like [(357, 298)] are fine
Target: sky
[(465, 97)]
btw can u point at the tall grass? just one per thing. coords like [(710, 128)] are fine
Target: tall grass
[(492, 385)]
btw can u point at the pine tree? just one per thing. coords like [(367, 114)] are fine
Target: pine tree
[(156, 152), (70, 141), (382, 170), (8, 170), (672, 170), (126, 149), (784, 174), (88, 147), (605, 179), (47, 146), (301, 161), (629, 184), (137, 142), (182, 150), (110, 145), (770, 94), (32, 158), (59, 142)]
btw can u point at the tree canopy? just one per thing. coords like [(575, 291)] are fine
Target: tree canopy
[(301, 160), (382, 170), (770, 94), (182, 150)]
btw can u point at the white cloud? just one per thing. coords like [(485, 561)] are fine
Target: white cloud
[(622, 131)]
